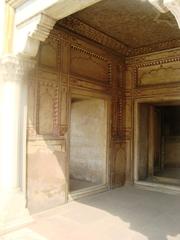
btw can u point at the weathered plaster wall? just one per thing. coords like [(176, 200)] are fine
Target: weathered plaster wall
[(88, 139), (68, 64)]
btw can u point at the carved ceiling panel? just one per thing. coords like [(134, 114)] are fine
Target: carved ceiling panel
[(135, 23)]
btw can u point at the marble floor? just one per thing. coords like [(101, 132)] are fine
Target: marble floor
[(126, 213)]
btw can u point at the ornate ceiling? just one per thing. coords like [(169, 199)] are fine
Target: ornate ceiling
[(134, 23)]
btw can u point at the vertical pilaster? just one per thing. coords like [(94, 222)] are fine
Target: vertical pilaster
[(13, 102)]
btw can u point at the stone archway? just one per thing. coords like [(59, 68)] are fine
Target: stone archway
[(28, 24)]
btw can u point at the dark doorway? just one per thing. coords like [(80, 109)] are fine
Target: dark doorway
[(159, 143)]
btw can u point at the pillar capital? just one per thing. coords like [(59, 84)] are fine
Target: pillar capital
[(16, 68)]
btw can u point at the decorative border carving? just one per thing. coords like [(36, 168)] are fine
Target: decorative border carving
[(55, 105), (90, 53), (154, 47), (91, 33), (137, 63), (83, 29), (159, 61)]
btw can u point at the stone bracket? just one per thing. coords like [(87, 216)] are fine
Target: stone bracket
[(29, 34)]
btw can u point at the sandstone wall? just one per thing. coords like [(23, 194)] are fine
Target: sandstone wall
[(69, 65)]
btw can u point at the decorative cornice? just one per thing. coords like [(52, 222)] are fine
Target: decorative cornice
[(44, 25), (89, 32), (30, 33), (155, 47), (143, 61)]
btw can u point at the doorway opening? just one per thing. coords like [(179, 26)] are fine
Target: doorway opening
[(88, 144), (159, 143)]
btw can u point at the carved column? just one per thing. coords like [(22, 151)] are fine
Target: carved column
[(13, 76)]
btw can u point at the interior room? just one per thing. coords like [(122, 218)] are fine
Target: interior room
[(159, 143), (88, 131)]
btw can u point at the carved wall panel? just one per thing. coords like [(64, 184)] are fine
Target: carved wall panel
[(128, 78), (47, 108), (159, 74), (90, 65), (128, 114), (119, 163), (117, 117), (64, 105), (66, 65)]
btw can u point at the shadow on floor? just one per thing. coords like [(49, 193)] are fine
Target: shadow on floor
[(151, 215), (126, 213)]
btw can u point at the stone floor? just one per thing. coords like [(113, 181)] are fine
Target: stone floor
[(126, 213)]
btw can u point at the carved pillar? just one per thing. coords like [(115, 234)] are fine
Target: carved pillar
[(13, 76)]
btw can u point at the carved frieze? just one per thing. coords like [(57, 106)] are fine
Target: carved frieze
[(79, 27), (154, 47), (89, 32)]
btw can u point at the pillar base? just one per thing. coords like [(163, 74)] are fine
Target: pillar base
[(13, 211)]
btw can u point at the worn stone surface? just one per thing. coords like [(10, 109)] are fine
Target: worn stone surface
[(46, 175), (124, 213)]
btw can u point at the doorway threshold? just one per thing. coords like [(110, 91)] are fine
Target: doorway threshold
[(158, 187), (87, 191)]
